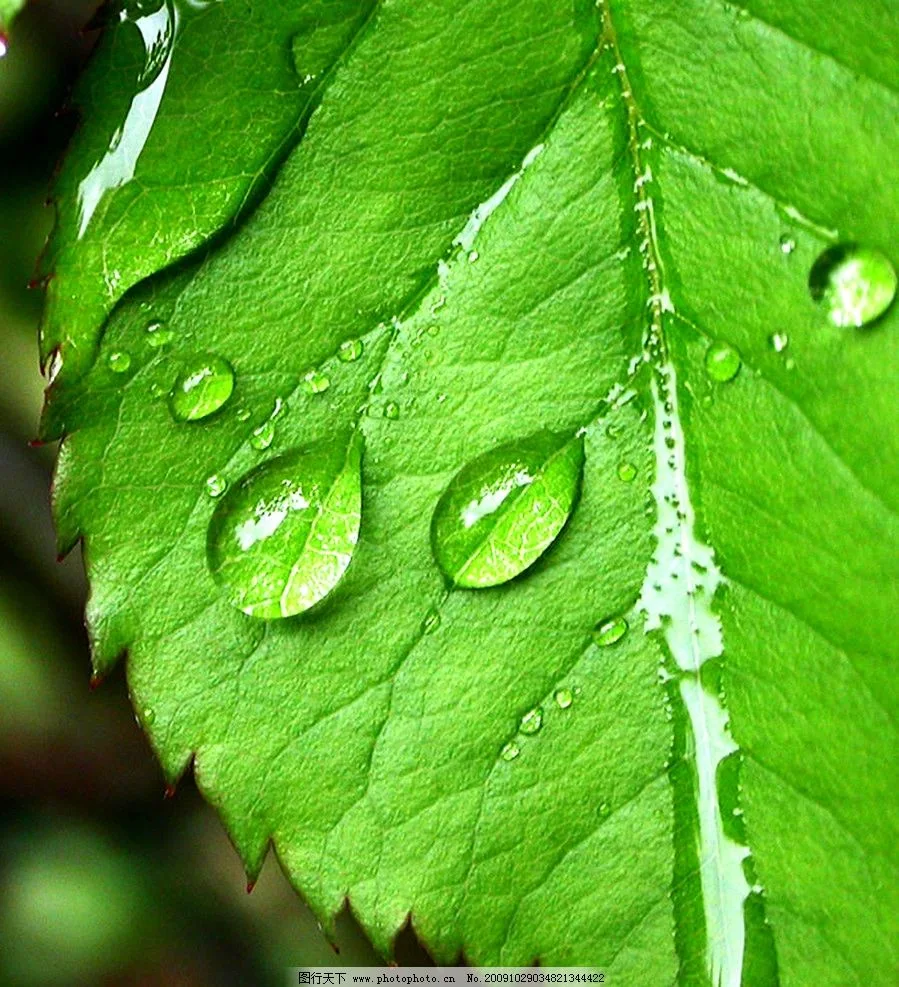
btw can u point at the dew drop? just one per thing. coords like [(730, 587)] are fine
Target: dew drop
[(855, 284), (316, 382), (564, 698), (119, 362), (149, 715), (610, 631), (787, 244), (613, 431), (350, 350), (243, 414), (433, 330), (431, 622), (263, 436), (504, 509), (603, 810), (722, 362), (626, 471), (158, 334), (216, 485), (532, 721), (392, 410), (203, 386), (282, 537), (779, 341), (473, 256), (510, 751)]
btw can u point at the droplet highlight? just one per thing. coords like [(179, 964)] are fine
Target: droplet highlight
[(216, 485), (503, 510), (779, 341), (564, 698), (204, 385), (282, 538), (316, 382), (510, 751), (855, 284), (158, 334)]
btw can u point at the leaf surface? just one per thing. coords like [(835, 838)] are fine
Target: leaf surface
[(540, 216)]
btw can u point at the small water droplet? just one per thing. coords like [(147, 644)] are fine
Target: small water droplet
[(149, 715), (263, 436), (316, 382), (787, 244), (433, 330), (119, 362), (392, 410), (431, 622), (473, 256), (204, 385), (216, 485), (790, 363), (243, 414), (532, 721), (158, 334), (722, 362), (564, 698), (779, 341), (855, 284), (504, 509), (510, 751), (603, 810), (613, 431), (282, 537), (626, 472), (610, 631), (350, 350)]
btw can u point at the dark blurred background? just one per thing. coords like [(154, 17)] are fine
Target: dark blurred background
[(102, 880)]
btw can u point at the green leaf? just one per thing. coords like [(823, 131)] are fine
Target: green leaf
[(8, 11), (533, 217)]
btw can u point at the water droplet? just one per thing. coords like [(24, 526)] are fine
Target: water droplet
[(281, 539), (787, 244), (564, 698), (350, 350), (431, 622), (510, 751), (203, 386), (216, 485), (855, 284), (503, 510), (779, 341), (149, 715), (532, 721), (243, 414), (613, 431), (603, 810), (392, 410), (626, 472), (722, 362), (316, 382), (263, 436), (473, 256), (158, 334), (610, 631), (119, 362), (433, 330)]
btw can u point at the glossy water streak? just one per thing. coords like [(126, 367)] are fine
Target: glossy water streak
[(117, 165), (676, 597)]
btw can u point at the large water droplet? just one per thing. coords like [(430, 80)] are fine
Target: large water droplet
[(502, 511), (119, 362), (316, 382), (564, 698), (855, 284), (350, 350), (281, 539), (203, 386), (610, 631), (510, 751), (158, 334), (532, 721), (722, 362)]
